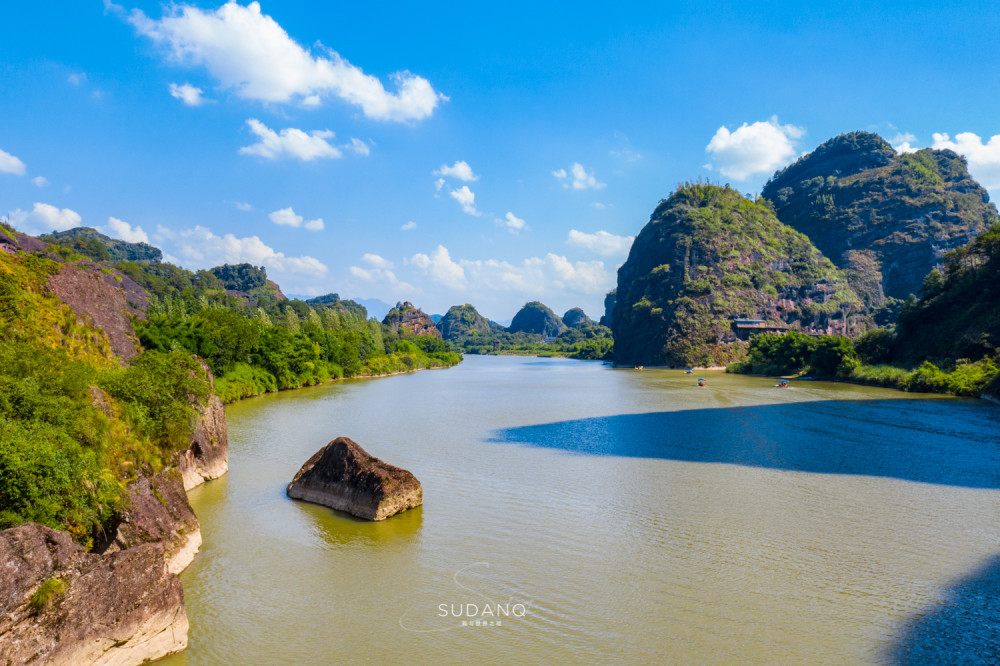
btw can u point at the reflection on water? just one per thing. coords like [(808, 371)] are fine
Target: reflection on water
[(634, 516)]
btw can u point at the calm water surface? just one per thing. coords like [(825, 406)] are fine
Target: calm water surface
[(615, 516)]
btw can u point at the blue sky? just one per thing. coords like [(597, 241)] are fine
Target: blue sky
[(447, 153)]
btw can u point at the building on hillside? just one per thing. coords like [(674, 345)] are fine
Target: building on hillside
[(744, 329)]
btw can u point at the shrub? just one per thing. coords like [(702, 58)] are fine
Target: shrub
[(47, 594)]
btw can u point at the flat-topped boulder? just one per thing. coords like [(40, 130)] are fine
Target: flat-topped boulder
[(344, 476)]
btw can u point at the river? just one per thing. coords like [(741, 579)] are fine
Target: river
[(575, 512)]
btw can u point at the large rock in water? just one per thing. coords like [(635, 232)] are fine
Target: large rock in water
[(345, 477), (121, 608)]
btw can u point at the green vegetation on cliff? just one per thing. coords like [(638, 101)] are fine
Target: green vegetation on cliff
[(886, 218), (95, 245), (464, 328), (709, 255), (75, 426), (958, 314), (536, 318), (463, 321), (948, 341), (77, 423)]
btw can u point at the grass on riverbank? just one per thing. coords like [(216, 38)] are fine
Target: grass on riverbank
[(834, 358)]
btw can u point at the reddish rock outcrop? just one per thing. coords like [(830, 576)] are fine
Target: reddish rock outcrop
[(157, 511), (103, 304), (411, 319), (120, 608), (345, 477)]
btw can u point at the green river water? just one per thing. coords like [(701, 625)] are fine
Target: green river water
[(607, 515)]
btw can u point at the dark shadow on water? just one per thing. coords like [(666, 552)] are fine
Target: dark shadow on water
[(945, 442), (964, 629)]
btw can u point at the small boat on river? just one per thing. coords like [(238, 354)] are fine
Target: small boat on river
[(702, 382)]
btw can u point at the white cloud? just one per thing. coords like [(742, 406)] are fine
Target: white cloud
[(44, 218), (123, 230), (753, 149), (243, 206), (10, 164), (77, 79), (409, 225), (187, 93), (460, 170), (357, 146), (467, 198), (290, 142), (379, 272), (512, 222), (538, 276), (375, 261), (287, 217), (40, 181), (439, 266), (578, 178), (164, 234), (983, 158), (903, 142), (204, 249), (438, 184), (534, 277), (250, 53), (601, 242)]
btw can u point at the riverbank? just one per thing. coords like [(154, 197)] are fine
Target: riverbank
[(967, 379), (237, 386)]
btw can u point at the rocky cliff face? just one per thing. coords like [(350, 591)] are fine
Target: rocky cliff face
[(609, 308), (61, 605), (345, 477), (886, 218), (90, 294), (538, 319), (157, 511), (707, 256), (406, 317)]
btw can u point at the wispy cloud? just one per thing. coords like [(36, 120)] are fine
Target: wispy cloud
[(187, 93), (460, 170), (467, 199), (578, 178), (290, 143), (601, 242)]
